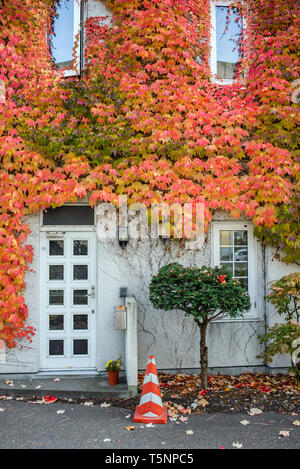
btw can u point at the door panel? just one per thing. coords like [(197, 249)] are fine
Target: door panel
[(68, 301)]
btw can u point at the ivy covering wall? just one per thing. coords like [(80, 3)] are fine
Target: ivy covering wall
[(145, 120)]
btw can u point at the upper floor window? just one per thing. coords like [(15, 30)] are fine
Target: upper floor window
[(66, 33), (227, 28)]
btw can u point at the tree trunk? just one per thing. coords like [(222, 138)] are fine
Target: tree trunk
[(203, 352)]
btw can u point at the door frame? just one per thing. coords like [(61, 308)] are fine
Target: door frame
[(61, 229)]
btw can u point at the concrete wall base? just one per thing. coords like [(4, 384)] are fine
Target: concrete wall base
[(235, 370)]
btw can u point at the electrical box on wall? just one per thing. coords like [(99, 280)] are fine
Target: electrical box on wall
[(123, 292), (120, 318)]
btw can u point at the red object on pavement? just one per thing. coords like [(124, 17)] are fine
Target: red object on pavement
[(151, 409), (49, 399)]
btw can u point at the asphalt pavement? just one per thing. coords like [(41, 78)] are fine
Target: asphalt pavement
[(36, 425)]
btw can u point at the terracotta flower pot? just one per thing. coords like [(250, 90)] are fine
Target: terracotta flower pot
[(113, 377)]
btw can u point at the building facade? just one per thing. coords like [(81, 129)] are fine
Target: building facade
[(75, 280)]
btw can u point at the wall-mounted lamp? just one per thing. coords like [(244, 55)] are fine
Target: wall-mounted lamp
[(123, 236)]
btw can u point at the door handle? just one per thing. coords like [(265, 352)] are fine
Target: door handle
[(93, 291)]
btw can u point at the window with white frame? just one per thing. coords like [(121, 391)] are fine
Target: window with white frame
[(66, 29), (226, 30), (234, 247)]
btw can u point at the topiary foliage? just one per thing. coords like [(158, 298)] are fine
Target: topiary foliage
[(206, 293)]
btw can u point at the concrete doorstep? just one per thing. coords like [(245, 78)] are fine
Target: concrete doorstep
[(75, 386)]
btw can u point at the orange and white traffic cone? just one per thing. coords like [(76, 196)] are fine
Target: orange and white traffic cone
[(151, 409)]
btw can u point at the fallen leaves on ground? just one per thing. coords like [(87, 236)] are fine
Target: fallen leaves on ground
[(182, 393), (183, 419), (284, 433), (49, 399), (203, 402), (129, 428), (237, 445), (254, 411), (260, 382)]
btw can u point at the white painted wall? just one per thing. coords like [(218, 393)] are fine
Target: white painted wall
[(25, 359), (276, 270), (96, 8), (170, 336)]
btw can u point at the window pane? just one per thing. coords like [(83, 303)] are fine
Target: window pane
[(69, 215), (80, 272), (235, 258), (228, 30), (80, 321), (56, 347), (243, 282), (56, 272), (229, 266), (241, 254), (56, 297), (80, 297), (240, 269), (240, 238), (80, 347), (56, 248), (56, 322), (63, 37), (226, 238), (80, 248), (226, 254)]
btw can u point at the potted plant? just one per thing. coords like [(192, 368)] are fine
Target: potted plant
[(113, 367)]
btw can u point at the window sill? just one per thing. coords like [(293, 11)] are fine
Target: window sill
[(226, 81), (247, 319), (69, 73)]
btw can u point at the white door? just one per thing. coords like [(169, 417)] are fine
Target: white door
[(68, 300)]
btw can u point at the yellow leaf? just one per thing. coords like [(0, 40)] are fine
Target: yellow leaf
[(203, 402), (129, 427)]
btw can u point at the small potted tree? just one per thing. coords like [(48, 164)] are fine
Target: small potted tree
[(204, 293)]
